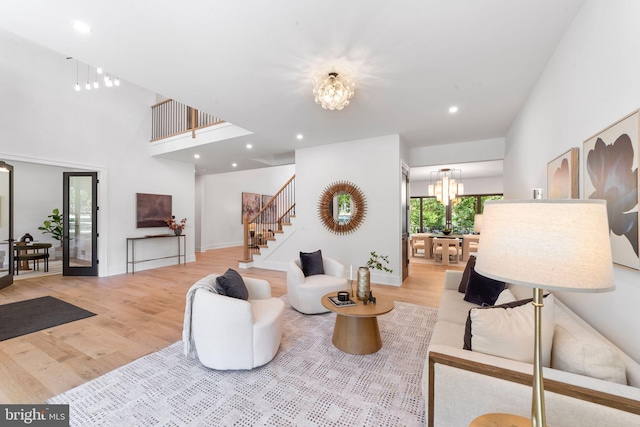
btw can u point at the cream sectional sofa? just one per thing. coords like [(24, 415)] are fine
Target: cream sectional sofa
[(459, 385)]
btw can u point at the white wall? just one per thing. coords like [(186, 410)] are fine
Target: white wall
[(374, 166), (590, 82), (37, 191), (472, 186), (43, 120), (221, 201), (462, 152)]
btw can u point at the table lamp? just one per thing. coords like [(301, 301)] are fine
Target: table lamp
[(556, 245)]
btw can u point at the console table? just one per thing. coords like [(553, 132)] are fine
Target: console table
[(182, 249)]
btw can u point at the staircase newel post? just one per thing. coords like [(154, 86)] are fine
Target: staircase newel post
[(246, 238)]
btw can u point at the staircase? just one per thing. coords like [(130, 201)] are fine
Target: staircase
[(269, 223)]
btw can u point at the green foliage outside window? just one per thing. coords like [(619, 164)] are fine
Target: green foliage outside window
[(433, 213), (463, 214), (485, 198), (414, 215)]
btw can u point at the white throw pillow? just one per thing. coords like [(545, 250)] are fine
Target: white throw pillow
[(509, 331), (505, 297), (576, 350)]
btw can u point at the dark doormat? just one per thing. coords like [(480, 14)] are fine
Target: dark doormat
[(25, 317)]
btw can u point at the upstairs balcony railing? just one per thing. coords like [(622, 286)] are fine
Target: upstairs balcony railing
[(170, 118)]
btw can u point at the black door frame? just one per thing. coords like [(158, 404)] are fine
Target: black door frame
[(91, 270), (8, 279)]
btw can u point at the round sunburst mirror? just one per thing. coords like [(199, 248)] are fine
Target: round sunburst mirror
[(342, 207)]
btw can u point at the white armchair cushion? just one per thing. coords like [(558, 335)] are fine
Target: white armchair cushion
[(231, 333), (305, 293)]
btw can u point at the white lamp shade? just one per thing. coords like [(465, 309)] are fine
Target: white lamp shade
[(430, 190), (477, 223), (558, 245)]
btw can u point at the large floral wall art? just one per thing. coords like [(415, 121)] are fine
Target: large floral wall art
[(562, 176), (611, 173)]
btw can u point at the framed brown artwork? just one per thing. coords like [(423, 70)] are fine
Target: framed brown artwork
[(562, 176), (250, 206), (611, 160), (152, 210), (269, 213)]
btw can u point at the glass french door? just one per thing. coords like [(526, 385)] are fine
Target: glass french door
[(6, 224), (80, 224)]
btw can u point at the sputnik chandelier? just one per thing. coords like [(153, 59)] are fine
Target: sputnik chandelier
[(109, 80), (446, 188), (333, 91)]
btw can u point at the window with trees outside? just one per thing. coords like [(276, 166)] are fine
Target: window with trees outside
[(428, 215)]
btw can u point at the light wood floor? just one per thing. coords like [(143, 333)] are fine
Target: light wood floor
[(136, 315)]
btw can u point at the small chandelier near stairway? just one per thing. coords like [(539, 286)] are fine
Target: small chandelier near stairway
[(333, 91), (446, 188)]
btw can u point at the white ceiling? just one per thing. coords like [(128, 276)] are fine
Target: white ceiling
[(251, 62)]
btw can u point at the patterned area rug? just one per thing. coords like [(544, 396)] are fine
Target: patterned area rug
[(308, 383)]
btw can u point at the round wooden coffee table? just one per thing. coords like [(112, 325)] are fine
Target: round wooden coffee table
[(356, 329), (500, 420)]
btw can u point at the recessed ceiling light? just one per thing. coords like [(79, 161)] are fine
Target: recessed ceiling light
[(249, 146), (196, 156), (234, 164), (81, 27), (299, 136), (453, 109)]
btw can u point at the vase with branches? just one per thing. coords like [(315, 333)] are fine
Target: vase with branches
[(376, 261), (177, 227)]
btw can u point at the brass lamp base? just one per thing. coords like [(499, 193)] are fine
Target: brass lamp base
[(538, 416)]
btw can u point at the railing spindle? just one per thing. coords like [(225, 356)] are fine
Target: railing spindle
[(171, 118)]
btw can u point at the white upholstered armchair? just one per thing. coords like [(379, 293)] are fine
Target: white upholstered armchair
[(305, 293), (231, 333)]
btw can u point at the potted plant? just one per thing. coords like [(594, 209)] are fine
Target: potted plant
[(376, 261), (53, 226)]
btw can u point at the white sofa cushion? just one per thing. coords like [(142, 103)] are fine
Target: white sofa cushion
[(453, 308), (505, 297), (509, 331), (577, 350), (447, 333)]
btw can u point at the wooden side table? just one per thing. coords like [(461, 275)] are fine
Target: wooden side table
[(356, 330), (500, 420)]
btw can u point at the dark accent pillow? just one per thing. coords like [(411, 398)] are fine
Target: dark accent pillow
[(467, 329), (232, 285), (465, 276), (311, 263), (482, 290)]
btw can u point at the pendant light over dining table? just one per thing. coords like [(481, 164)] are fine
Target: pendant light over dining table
[(447, 187)]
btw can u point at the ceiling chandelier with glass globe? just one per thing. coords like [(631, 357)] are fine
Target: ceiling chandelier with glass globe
[(333, 91), (447, 187)]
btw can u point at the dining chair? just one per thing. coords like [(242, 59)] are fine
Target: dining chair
[(418, 243), (469, 244), (446, 249)]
